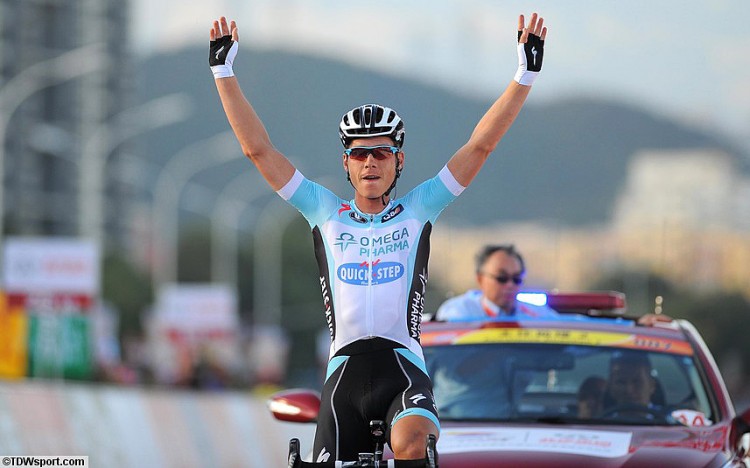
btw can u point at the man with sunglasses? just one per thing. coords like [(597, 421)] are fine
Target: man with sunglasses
[(372, 252), (500, 272)]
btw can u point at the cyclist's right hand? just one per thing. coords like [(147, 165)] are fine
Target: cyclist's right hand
[(530, 49), (223, 48)]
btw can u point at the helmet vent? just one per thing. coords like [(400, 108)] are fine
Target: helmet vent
[(378, 114), (371, 120), (367, 120)]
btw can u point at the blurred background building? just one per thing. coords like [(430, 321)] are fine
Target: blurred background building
[(66, 74), (681, 214)]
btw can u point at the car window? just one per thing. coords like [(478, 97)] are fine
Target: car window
[(601, 385)]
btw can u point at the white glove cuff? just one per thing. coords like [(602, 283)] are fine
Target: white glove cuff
[(525, 77), (222, 71)]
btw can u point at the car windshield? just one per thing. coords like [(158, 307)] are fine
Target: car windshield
[(566, 383)]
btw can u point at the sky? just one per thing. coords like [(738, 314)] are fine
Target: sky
[(685, 60)]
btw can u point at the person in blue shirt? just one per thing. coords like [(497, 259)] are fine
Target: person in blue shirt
[(500, 272)]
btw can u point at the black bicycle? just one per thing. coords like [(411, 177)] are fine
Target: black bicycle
[(372, 459)]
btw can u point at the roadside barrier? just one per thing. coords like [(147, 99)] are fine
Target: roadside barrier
[(143, 427)]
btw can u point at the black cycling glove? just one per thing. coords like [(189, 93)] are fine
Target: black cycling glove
[(221, 54), (530, 56)]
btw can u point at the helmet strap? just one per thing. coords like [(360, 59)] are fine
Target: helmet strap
[(348, 177), (393, 185)]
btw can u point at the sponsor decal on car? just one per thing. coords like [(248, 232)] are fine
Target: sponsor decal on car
[(570, 337), (691, 418), (605, 444)]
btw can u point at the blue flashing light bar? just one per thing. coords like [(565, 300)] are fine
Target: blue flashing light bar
[(537, 299)]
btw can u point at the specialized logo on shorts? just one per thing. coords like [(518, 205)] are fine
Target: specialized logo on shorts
[(417, 398), (323, 456), (358, 274)]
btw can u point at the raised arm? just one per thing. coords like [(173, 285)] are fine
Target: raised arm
[(468, 160), (247, 126)]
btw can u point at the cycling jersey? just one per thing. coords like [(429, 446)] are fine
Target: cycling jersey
[(373, 267)]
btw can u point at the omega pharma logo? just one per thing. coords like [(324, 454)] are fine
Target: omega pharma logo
[(382, 272)]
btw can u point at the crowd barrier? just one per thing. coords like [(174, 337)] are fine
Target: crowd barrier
[(143, 427)]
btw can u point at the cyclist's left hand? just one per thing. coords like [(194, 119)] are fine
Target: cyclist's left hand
[(223, 48)]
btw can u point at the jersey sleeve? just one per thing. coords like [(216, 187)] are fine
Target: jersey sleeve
[(430, 198), (314, 201)]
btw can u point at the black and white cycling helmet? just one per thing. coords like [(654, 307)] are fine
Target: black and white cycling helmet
[(371, 120)]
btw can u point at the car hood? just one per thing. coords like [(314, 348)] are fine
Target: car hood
[(591, 446)]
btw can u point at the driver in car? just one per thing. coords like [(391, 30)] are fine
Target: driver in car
[(631, 387)]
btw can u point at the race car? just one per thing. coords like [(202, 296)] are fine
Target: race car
[(590, 388)]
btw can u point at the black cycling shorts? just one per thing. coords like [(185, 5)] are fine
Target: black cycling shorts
[(367, 380)]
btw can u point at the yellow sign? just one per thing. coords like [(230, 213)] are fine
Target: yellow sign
[(13, 340), (574, 337)]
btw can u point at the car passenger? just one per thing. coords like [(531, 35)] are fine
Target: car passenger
[(467, 380), (590, 395)]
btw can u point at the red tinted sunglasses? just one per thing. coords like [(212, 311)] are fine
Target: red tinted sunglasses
[(381, 152)]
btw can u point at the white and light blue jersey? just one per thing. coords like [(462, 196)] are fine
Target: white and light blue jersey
[(373, 267)]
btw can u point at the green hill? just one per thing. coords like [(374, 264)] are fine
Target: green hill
[(562, 162)]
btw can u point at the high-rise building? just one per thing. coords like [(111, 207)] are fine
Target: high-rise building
[(59, 92)]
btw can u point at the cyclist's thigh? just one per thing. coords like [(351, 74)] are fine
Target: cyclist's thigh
[(342, 430), (416, 398)]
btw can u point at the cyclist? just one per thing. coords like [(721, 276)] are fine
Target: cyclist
[(372, 251)]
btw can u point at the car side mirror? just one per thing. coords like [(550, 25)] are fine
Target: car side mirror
[(295, 405)]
